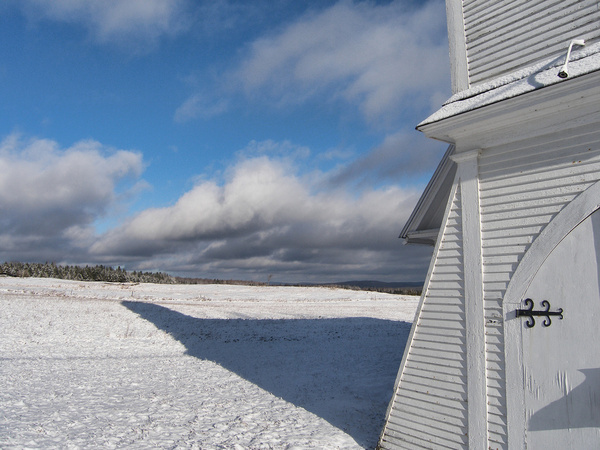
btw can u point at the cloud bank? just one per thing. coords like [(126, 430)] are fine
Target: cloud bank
[(265, 218), (403, 156)]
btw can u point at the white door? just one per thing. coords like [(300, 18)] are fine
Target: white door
[(562, 361)]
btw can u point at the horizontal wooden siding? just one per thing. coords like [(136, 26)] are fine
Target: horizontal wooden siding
[(429, 409), (505, 35), (522, 187)]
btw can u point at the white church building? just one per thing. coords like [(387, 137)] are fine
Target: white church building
[(504, 352)]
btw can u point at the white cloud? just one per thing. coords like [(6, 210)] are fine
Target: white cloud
[(256, 195), (126, 22), (198, 106), (46, 190), (386, 59), (374, 56)]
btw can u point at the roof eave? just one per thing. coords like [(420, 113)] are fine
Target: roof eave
[(412, 232)]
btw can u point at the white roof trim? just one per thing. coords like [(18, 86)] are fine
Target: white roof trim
[(582, 62)]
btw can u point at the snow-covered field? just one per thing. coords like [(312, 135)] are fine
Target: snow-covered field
[(99, 365)]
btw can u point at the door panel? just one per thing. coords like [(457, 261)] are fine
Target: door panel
[(562, 361)]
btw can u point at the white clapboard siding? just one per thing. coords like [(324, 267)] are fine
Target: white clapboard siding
[(429, 408), (522, 187), (505, 35)]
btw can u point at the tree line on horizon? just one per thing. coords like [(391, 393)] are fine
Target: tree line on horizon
[(79, 273), (119, 275), (103, 273)]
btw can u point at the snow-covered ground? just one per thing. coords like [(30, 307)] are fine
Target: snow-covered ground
[(99, 365)]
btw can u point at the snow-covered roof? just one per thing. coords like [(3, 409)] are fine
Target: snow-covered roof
[(583, 60), (426, 219)]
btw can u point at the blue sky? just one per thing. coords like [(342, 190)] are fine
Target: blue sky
[(223, 139)]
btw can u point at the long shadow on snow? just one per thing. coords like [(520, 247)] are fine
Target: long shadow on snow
[(342, 370)]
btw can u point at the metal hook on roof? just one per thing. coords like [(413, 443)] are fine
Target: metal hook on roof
[(564, 71)]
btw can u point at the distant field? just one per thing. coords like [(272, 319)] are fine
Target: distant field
[(92, 364)]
